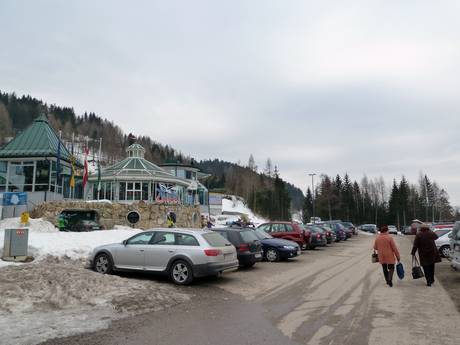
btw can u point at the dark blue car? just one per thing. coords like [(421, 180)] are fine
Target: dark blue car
[(275, 249)]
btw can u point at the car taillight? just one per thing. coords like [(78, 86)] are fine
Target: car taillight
[(243, 247), (212, 252), (318, 236)]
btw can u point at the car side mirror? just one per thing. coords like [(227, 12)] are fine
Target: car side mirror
[(125, 242)]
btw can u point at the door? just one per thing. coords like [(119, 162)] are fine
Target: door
[(160, 250), (132, 255)]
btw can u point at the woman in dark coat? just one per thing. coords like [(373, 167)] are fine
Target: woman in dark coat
[(427, 251)]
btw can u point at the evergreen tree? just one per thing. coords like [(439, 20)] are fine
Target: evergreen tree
[(307, 209)]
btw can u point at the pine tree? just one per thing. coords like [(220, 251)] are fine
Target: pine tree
[(307, 209)]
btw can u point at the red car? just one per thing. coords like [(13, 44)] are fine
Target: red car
[(289, 231)]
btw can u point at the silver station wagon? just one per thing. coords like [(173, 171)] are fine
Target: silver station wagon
[(184, 254)]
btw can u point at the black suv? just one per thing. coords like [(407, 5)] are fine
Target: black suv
[(248, 246)]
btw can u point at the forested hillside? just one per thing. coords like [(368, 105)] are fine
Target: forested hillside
[(372, 201), (266, 192)]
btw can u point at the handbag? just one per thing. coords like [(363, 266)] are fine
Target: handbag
[(417, 272), (374, 257), (400, 270)]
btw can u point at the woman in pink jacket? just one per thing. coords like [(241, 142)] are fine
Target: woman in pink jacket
[(387, 252)]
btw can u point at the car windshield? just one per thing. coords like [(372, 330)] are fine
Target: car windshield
[(248, 236), (216, 240), (262, 235)]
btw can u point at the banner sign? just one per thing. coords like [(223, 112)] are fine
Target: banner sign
[(14, 198)]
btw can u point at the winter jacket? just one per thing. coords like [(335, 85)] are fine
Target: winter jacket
[(424, 244), (386, 249)]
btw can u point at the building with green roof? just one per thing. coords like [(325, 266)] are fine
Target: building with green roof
[(28, 163), (136, 179)]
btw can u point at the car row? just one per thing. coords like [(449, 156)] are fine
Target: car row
[(185, 254)]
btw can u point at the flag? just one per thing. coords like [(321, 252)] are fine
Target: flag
[(58, 164), (72, 177), (85, 172)]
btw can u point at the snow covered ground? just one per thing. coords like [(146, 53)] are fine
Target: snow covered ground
[(56, 296), (237, 205), (46, 240)]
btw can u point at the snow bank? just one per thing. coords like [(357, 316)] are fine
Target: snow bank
[(237, 205), (45, 240), (59, 297), (35, 225)]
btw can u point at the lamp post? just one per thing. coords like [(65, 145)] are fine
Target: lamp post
[(313, 196)]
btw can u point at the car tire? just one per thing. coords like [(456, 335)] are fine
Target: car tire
[(445, 251), (103, 263), (272, 255), (181, 272)]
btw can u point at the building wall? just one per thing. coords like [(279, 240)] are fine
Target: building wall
[(111, 214)]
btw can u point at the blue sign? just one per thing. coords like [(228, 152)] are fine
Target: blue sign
[(14, 198)]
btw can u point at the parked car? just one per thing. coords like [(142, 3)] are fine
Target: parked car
[(248, 246), (330, 234), (392, 229), (289, 231), (318, 236), (85, 225), (455, 246), (443, 231), (338, 224), (443, 243), (78, 220), (350, 226), (338, 230), (275, 249), (183, 254), (372, 228)]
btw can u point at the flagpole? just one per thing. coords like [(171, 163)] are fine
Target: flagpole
[(99, 170)]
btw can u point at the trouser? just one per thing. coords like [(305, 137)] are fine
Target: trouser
[(388, 270), (429, 273)]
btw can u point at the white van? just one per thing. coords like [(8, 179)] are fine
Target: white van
[(455, 246)]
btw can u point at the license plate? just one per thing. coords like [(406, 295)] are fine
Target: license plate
[(258, 256)]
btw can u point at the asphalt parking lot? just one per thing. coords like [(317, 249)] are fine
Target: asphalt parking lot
[(326, 296)]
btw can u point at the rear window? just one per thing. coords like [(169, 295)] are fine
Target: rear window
[(248, 236), (216, 240)]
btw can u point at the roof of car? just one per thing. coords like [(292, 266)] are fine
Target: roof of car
[(183, 230), (233, 229)]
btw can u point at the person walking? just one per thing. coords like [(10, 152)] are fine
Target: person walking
[(387, 252), (427, 251)]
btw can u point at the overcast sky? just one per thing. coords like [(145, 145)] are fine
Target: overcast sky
[(364, 87)]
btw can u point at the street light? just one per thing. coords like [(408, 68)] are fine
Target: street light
[(313, 196)]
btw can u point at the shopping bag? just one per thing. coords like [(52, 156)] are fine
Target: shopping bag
[(374, 257), (417, 272), (400, 270)]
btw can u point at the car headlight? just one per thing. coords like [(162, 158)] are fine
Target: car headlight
[(288, 247)]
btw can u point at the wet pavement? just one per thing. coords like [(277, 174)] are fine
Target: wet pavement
[(327, 296)]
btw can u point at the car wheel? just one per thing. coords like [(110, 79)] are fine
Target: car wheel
[(445, 251), (181, 272), (272, 255), (103, 264)]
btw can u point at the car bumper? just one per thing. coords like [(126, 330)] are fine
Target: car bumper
[(210, 269), (288, 253), (249, 258)]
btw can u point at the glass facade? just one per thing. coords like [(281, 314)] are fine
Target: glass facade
[(132, 191)]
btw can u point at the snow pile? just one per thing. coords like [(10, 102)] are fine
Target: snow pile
[(45, 240), (35, 225), (58, 297), (237, 207)]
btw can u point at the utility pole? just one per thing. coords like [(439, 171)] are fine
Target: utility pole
[(313, 196)]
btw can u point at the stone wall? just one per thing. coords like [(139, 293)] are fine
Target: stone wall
[(111, 214)]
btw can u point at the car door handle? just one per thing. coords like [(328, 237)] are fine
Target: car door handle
[(171, 250), (141, 250)]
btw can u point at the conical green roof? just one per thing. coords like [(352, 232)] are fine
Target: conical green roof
[(37, 140)]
